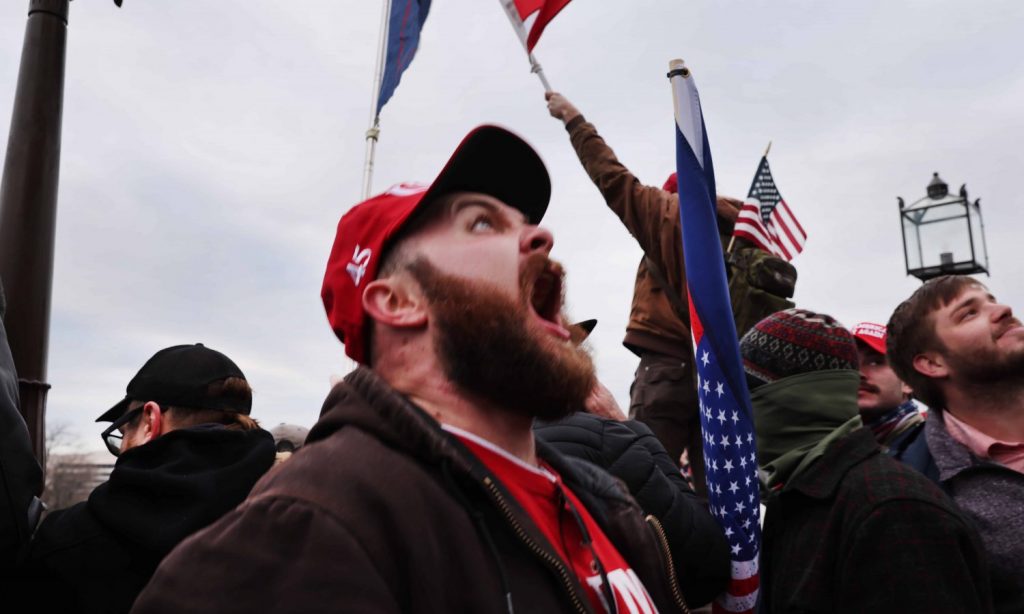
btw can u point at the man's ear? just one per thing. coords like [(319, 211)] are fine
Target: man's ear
[(395, 301), (906, 390), (931, 364), (151, 422)]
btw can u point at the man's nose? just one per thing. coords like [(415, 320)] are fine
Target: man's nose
[(1001, 312), (536, 239)]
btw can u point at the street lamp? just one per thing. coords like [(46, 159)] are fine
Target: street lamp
[(943, 233)]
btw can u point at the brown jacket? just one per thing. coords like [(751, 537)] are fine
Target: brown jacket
[(652, 216), (382, 511)]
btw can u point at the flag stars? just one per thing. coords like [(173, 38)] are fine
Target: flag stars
[(735, 548), (720, 389), (725, 441), (743, 462), (729, 531), (733, 487), (735, 419), (706, 387), (747, 481), (750, 439), (705, 360), (740, 507), (728, 465), (714, 465), (746, 523), (718, 489), (721, 416)]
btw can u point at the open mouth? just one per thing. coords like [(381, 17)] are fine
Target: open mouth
[(546, 298)]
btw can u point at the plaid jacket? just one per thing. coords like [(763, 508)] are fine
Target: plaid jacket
[(860, 532)]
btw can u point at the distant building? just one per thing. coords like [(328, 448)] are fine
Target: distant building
[(71, 477)]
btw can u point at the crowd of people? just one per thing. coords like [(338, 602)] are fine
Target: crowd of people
[(473, 462)]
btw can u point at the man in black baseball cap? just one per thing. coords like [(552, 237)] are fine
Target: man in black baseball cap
[(203, 384), (188, 452)]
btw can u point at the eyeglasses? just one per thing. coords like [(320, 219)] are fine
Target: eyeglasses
[(112, 437)]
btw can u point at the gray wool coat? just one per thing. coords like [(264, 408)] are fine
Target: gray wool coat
[(991, 495)]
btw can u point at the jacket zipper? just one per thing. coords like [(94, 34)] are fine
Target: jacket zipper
[(537, 550), (677, 594)]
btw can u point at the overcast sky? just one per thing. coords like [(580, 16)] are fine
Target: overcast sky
[(209, 149)]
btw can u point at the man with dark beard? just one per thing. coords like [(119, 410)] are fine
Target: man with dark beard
[(422, 488), (963, 354)]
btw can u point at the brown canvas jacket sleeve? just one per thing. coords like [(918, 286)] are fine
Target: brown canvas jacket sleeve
[(650, 214), (271, 554)]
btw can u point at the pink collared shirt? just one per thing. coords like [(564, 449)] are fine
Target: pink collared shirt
[(1006, 453)]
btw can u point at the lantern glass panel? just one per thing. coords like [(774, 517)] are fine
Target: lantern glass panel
[(944, 235), (912, 242), (980, 251)]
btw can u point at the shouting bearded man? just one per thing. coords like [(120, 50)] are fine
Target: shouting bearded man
[(422, 488)]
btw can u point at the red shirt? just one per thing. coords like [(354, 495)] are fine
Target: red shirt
[(550, 504)]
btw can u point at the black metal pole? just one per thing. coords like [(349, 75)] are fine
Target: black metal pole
[(28, 204)]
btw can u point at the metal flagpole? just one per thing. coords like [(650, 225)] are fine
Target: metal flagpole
[(28, 205), (517, 25), (373, 132)]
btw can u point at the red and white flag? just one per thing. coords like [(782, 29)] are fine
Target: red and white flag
[(767, 221), (545, 11)]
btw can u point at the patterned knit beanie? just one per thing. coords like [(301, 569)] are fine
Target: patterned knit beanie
[(796, 341)]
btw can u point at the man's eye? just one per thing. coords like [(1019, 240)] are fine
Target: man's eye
[(481, 223)]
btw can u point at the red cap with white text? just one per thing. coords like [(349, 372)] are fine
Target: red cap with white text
[(870, 334), (490, 160)]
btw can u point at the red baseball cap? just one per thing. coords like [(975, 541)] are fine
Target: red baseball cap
[(870, 334), (489, 160)]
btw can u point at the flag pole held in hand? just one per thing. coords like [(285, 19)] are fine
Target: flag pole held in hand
[(517, 24)]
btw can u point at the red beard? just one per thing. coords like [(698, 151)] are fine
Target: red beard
[(488, 348)]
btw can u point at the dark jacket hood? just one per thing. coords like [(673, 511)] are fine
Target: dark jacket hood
[(163, 491)]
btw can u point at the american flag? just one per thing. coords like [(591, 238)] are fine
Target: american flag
[(766, 220), (729, 452)]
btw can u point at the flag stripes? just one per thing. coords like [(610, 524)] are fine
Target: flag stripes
[(766, 219)]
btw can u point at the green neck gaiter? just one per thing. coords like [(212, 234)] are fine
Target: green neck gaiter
[(795, 418)]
